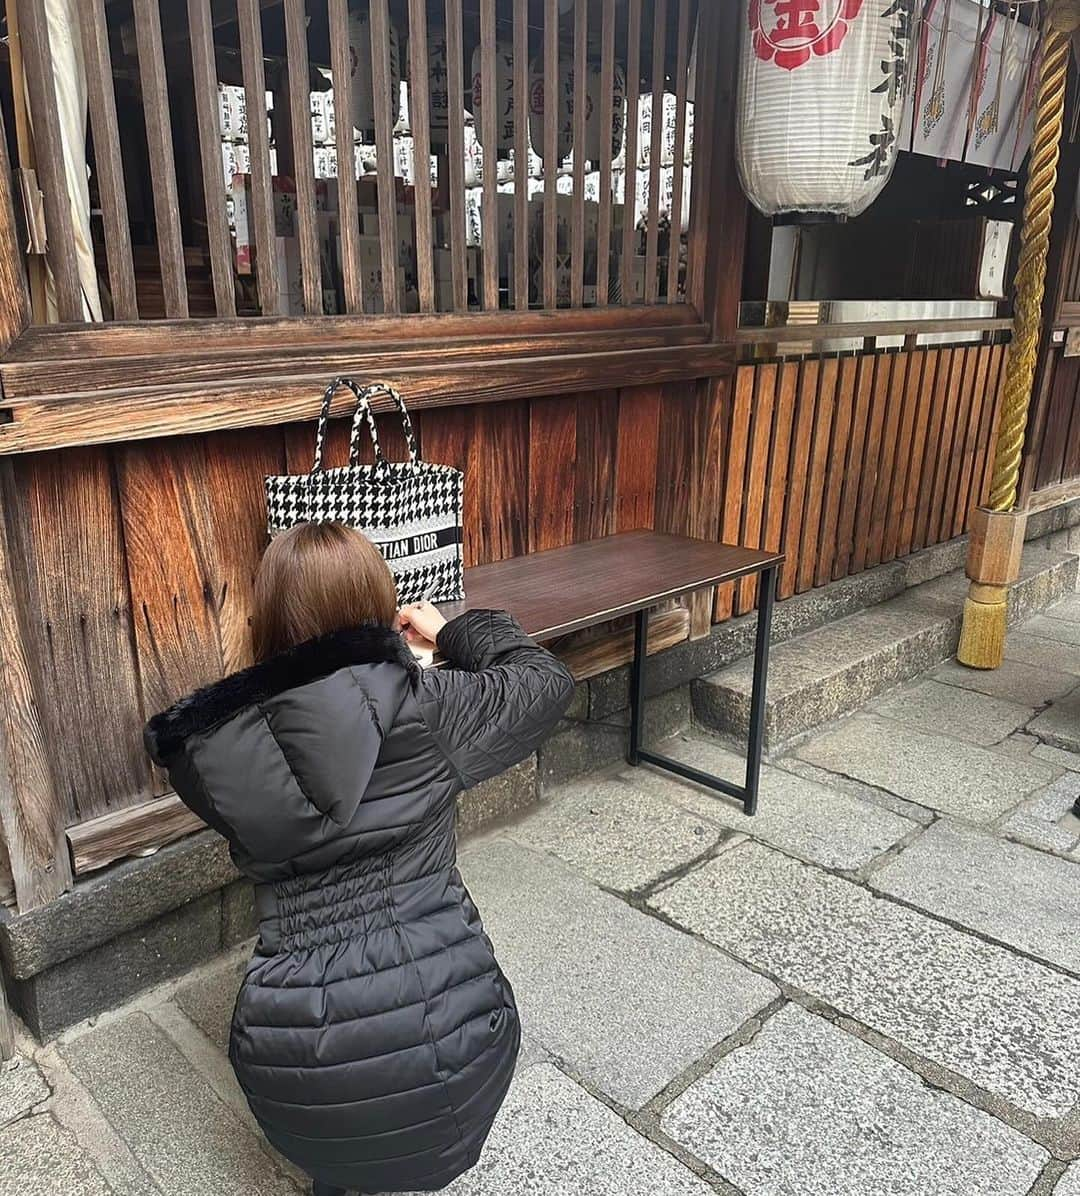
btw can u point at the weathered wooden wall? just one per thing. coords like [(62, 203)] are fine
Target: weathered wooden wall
[(135, 561)]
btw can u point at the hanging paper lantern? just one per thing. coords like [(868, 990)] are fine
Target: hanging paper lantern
[(438, 87), (363, 104), (820, 89), (504, 91), (565, 119), (594, 142)]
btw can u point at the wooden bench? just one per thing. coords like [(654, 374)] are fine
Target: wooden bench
[(561, 590)]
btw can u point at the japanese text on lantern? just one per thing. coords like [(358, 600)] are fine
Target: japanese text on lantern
[(790, 32)]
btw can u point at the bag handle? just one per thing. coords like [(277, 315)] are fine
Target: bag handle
[(369, 392), (363, 409), (363, 412)]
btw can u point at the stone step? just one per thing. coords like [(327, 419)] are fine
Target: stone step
[(834, 669)]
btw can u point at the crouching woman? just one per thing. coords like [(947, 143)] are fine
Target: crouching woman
[(374, 1034)]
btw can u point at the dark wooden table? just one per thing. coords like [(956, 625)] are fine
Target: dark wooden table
[(565, 589)]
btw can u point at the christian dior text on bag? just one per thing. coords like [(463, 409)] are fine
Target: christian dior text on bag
[(411, 509)]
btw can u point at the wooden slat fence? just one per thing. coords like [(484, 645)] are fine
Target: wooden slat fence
[(306, 220)]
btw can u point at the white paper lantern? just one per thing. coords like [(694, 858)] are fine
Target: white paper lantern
[(594, 142), (565, 119), (363, 105), (820, 90), (504, 90)]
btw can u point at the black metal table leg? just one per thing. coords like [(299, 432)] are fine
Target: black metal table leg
[(756, 738), (636, 754)]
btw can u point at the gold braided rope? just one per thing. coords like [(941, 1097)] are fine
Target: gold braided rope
[(1031, 271)]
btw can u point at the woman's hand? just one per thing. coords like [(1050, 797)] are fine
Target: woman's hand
[(420, 621)]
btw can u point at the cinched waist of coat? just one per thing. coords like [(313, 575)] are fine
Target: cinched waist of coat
[(344, 902)]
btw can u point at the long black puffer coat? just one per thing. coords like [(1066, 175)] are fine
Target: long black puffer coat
[(374, 1034)]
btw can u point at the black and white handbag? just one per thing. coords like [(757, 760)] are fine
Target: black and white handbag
[(411, 510)]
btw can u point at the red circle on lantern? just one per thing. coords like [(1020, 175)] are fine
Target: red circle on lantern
[(791, 32)]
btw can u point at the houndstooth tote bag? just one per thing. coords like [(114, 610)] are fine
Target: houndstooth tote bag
[(410, 510)]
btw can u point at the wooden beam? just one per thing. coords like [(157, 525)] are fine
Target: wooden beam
[(598, 655), (14, 293), (101, 841), (577, 219), (130, 415), (607, 117), (385, 105), (521, 155), (633, 94), (261, 213), (455, 75), (801, 333), (296, 51), (30, 812), (420, 118)]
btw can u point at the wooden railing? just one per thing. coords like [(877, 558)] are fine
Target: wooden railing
[(560, 210)]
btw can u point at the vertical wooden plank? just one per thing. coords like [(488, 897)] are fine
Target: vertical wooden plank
[(449, 437), (886, 467), (521, 155), (101, 100), (502, 478), (551, 150), (79, 624), (849, 501), (597, 450), (553, 427), (952, 447), (385, 109), (31, 815), (204, 81), (636, 454), (262, 200), (757, 475), (296, 53), (735, 476), (841, 433), (945, 466), (341, 72), (799, 472), (456, 121), (577, 219), (815, 492), (155, 93), (905, 442), (712, 415), (868, 479), (236, 463), (652, 232), (984, 464), (932, 454), (633, 93), (967, 442), (607, 117), (489, 225), (920, 434), (420, 117), (172, 562), (51, 172), (780, 456), (678, 166), (14, 292)]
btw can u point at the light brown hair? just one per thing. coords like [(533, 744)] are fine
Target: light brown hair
[(316, 578)]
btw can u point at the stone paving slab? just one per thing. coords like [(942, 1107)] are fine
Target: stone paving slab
[(616, 833), (1004, 1022), (1011, 893), (1058, 756), (933, 770), (813, 821), (38, 1158), (809, 1110), (1037, 832), (1067, 609), (1053, 629), (627, 1002), (1042, 653), (209, 999), (976, 717), (1059, 724), (1015, 681), (190, 1142), (1069, 1184), (553, 1139), (22, 1086)]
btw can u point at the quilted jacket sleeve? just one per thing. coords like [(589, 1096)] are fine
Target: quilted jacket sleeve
[(500, 699)]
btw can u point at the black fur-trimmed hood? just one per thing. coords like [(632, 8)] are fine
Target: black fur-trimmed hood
[(164, 735)]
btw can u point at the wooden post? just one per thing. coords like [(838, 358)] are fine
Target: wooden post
[(31, 825)]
